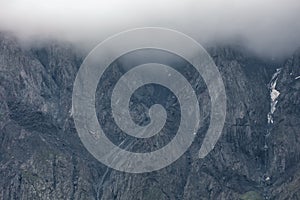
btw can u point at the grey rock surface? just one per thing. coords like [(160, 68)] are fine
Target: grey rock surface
[(42, 157)]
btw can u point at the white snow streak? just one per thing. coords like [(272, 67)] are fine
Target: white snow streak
[(274, 94)]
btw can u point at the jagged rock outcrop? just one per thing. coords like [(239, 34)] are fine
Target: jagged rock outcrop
[(41, 156), (284, 154)]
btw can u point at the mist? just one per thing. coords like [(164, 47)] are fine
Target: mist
[(267, 27)]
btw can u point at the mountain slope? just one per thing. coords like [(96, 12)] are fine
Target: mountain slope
[(43, 158)]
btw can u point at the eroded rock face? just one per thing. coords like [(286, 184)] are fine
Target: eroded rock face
[(284, 155), (43, 158)]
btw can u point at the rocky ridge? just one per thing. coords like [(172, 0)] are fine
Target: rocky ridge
[(41, 156)]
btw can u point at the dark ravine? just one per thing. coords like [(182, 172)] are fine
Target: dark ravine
[(41, 156)]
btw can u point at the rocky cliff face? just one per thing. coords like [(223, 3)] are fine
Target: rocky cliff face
[(41, 156)]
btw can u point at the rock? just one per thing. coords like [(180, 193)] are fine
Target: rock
[(42, 157)]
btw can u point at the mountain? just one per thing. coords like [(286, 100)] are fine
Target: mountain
[(42, 157)]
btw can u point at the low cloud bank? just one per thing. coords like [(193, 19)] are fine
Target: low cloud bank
[(269, 27)]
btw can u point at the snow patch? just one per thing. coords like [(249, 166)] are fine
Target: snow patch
[(270, 119), (274, 94), (273, 106)]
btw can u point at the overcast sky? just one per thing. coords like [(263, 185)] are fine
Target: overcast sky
[(269, 27)]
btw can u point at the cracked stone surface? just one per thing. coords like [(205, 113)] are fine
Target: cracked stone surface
[(42, 157)]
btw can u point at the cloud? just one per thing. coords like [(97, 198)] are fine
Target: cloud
[(268, 27)]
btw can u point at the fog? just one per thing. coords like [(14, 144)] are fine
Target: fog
[(267, 27)]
